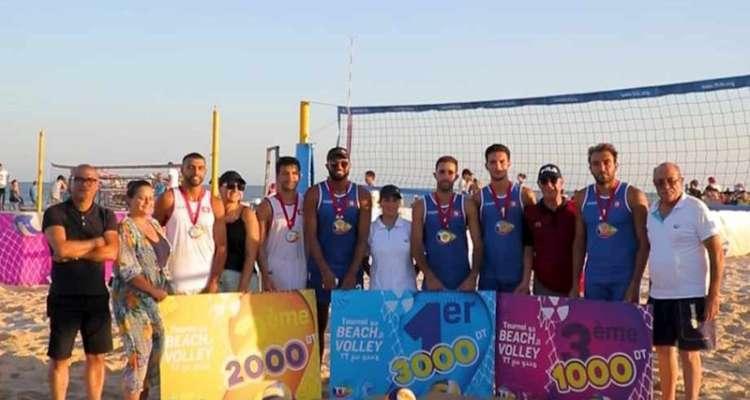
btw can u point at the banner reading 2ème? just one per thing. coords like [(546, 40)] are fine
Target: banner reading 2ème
[(559, 348), (232, 346), (428, 342)]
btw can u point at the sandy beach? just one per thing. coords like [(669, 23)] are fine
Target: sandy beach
[(24, 330)]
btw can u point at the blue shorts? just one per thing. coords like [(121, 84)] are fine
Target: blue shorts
[(323, 296), (496, 285), (610, 291)]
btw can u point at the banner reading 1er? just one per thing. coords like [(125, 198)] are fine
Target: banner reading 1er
[(559, 348), (428, 342), (233, 346)]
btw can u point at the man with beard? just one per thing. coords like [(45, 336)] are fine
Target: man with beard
[(336, 224), (501, 205), (610, 232), (196, 230), (282, 252), (438, 237)]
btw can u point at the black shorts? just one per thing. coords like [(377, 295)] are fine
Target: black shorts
[(70, 314), (682, 323)]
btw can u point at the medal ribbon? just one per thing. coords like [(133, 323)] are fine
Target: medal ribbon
[(501, 209), (289, 221), (193, 215), (339, 204), (604, 206), (444, 216)]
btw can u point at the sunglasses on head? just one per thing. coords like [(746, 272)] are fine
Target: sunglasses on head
[(235, 186), (552, 179)]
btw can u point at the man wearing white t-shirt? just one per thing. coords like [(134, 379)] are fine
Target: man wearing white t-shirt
[(686, 263)]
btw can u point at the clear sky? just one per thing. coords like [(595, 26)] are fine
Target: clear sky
[(127, 82)]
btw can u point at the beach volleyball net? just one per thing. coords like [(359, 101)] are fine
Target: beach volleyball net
[(704, 126)]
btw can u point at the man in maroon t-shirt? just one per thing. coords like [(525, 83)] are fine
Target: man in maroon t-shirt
[(549, 233)]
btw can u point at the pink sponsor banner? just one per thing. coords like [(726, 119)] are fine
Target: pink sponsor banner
[(560, 348), (24, 254)]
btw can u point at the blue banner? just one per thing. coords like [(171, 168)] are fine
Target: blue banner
[(735, 82), (427, 342)]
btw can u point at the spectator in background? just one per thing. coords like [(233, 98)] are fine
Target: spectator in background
[(3, 184), (58, 188), (16, 200), (159, 185), (712, 184), (694, 189), (521, 179), (370, 179), (468, 183), (712, 196), (33, 192)]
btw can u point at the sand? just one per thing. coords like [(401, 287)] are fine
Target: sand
[(24, 330)]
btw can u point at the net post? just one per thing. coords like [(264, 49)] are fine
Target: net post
[(304, 149), (40, 172), (215, 133)]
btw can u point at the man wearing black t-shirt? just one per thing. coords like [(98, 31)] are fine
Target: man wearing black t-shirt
[(81, 236)]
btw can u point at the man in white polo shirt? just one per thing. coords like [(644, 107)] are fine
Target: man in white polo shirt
[(686, 263)]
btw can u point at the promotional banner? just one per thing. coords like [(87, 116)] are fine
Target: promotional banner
[(231, 346), (559, 348), (385, 343)]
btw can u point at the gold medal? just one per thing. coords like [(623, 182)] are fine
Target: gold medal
[(445, 236), (195, 231), (292, 236), (341, 227), (504, 227), (605, 230)]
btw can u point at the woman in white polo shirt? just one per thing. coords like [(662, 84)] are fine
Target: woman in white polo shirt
[(392, 265)]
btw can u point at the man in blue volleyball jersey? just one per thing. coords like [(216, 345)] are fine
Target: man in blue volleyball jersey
[(336, 226), (438, 236), (610, 232), (501, 205)]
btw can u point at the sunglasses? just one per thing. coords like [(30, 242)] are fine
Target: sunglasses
[(342, 163), (235, 186), (81, 180), (552, 180), (670, 182)]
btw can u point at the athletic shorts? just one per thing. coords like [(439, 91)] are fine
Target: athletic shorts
[(70, 314), (682, 323)]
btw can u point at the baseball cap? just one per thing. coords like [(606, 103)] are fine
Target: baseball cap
[(231, 177), (549, 171), (390, 191), (337, 153)]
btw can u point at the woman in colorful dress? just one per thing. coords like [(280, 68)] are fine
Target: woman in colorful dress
[(139, 284)]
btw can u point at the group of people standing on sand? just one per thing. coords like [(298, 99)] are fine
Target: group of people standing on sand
[(187, 242)]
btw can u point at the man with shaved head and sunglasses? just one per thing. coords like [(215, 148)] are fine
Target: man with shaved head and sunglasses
[(81, 236)]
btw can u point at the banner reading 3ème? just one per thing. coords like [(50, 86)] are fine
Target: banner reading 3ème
[(427, 342), (559, 348), (232, 346)]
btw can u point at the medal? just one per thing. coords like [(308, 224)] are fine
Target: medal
[(195, 230), (292, 235), (340, 226), (445, 236), (503, 227), (605, 230)]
